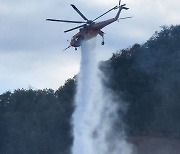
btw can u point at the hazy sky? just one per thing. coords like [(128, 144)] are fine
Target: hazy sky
[(31, 48)]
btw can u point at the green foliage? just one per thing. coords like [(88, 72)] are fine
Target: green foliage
[(36, 121), (146, 77)]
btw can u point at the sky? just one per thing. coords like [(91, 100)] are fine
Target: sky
[(31, 53)]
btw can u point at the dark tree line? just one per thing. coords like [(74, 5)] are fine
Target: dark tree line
[(146, 77), (36, 121)]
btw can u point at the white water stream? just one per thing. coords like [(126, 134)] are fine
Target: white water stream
[(95, 111)]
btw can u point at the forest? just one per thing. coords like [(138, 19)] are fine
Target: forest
[(145, 77)]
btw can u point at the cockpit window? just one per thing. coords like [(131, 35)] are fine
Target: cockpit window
[(74, 38)]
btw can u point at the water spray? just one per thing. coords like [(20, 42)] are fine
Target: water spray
[(95, 111)]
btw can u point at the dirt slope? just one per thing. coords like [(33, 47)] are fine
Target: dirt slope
[(155, 145)]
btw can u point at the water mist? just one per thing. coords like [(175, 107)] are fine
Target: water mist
[(95, 111)]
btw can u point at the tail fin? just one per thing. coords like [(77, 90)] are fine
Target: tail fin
[(121, 7), (119, 2)]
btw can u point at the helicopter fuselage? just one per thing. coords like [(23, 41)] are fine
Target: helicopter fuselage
[(89, 28), (83, 35), (89, 32)]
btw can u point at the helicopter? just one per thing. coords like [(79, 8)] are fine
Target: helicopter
[(89, 28)]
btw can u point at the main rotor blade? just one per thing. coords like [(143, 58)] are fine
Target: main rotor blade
[(74, 28), (69, 21), (75, 8), (125, 18), (114, 8)]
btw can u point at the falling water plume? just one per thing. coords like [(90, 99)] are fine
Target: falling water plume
[(95, 111)]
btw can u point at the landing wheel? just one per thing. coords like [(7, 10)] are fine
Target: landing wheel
[(102, 43), (76, 49)]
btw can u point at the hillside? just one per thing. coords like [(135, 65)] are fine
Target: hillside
[(146, 77)]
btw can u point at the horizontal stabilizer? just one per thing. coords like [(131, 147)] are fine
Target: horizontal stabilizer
[(126, 8)]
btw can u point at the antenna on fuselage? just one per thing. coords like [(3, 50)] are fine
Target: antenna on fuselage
[(67, 47)]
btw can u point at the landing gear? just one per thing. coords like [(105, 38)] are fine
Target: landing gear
[(76, 49), (101, 33)]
